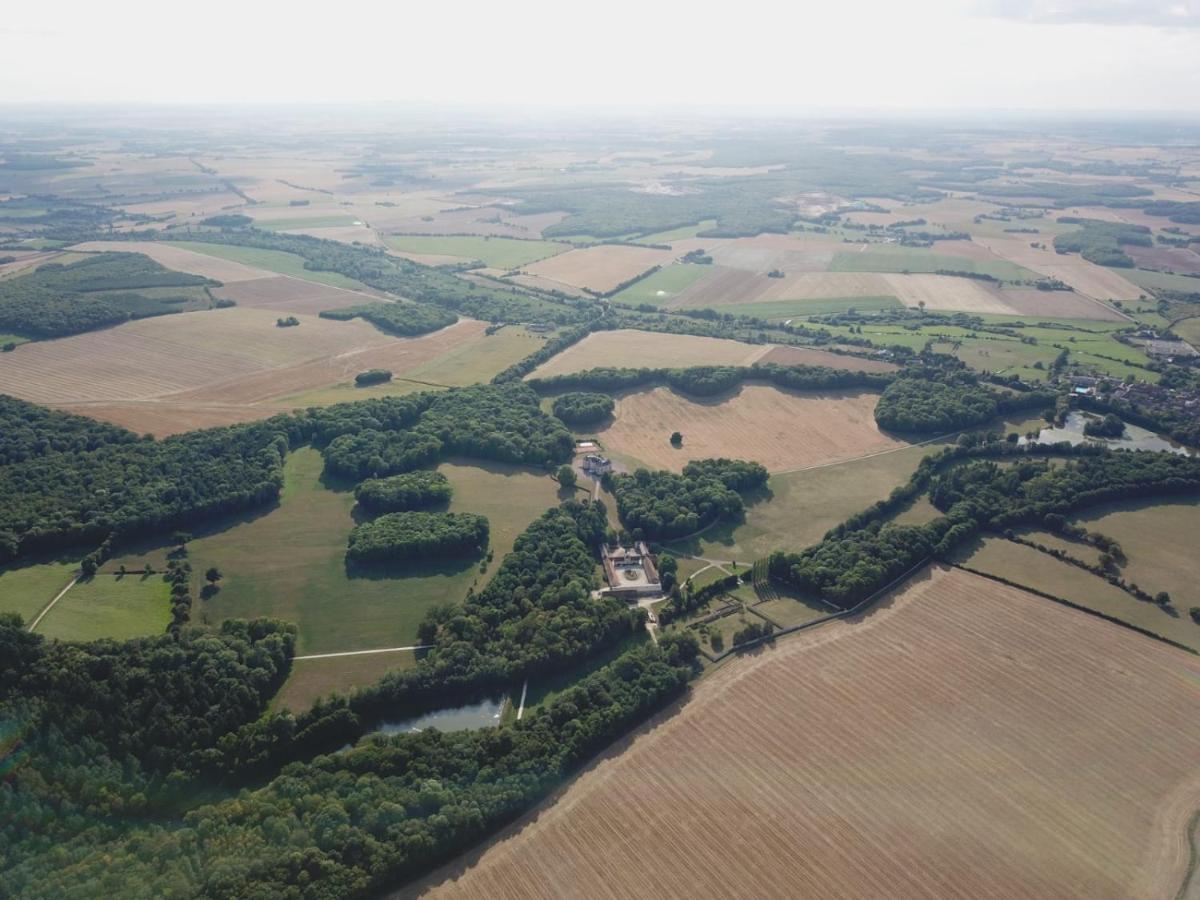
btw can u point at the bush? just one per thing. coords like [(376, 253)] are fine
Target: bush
[(372, 376), (566, 476)]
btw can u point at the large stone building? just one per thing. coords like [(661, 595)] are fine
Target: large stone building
[(630, 571)]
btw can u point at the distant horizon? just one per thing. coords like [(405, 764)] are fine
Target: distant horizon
[(1054, 57)]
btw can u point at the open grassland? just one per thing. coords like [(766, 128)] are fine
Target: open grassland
[(1188, 330), (1159, 540), (797, 508), (270, 261), (601, 268), (27, 586), (780, 429), (628, 348), (779, 310), (1034, 569), (663, 286), (311, 679), (470, 221), (176, 256), (110, 606), (961, 721), (289, 562), (497, 252), (1159, 281)]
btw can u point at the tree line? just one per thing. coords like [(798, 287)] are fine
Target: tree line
[(417, 534)]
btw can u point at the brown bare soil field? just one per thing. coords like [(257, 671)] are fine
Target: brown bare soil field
[(294, 295), (963, 739), (780, 429), (181, 260), (600, 268), (634, 349), (1085, 277), (1168, 259), (805, 356), (1056, 305)]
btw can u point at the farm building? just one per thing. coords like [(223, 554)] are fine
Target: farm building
[(594, 464), (630, 570)]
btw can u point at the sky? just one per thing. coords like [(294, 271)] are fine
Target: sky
[(757, 56)]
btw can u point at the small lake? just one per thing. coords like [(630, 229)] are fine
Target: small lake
[(1135, 438), (457, 718)]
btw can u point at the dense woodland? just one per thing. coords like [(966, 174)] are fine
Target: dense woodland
[(582, 407), (707, 381), (662, 505), (28, 431), (414, 490), (418, 535), (401, 319), (937, 403), (56, 300)]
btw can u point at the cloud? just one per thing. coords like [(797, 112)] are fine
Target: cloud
[(1156, 13)]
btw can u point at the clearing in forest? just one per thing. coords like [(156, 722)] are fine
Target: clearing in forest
[(960, 720), (119, 607), (780, 429)]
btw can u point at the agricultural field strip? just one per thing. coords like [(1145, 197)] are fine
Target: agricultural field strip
[(974, 767)]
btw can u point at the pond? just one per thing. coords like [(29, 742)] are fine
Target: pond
[(1135, 438), (485, 714)]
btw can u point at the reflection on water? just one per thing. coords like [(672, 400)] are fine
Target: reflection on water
[(457, 718), (1135, 438)]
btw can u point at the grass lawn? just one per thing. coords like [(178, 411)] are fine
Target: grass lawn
[(1032, 568), (110, 606), (895, 258), (787, 611), (1188, 330), (311, 679), (663, 285), (12, 339), (471, 362), (1159, 540), (289, 561), (496, 252), (791, 309), (27, 586), (271, 260)]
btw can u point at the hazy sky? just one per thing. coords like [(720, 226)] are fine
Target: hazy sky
[(761, 55)]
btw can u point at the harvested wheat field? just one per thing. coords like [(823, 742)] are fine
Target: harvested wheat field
[(1087, 278), (724, 286), (181, 260), (780, 429), (628, 348), (601, 268), (807, 356), (965, 739), (208, 364), (293, 295)]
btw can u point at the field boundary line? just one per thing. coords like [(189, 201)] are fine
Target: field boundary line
[(49, 606), (362, 652), (1145, 632)]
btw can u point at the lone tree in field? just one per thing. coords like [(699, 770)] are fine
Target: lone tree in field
[(676, 439), (566, 477), (213, 575)]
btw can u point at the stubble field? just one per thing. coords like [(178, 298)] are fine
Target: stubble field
[(961, 720), (780, 429), (601, 268)]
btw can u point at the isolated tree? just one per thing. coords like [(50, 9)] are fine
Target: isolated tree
[(1162, 598), (213, 575), (676, 439), (566, 476)]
